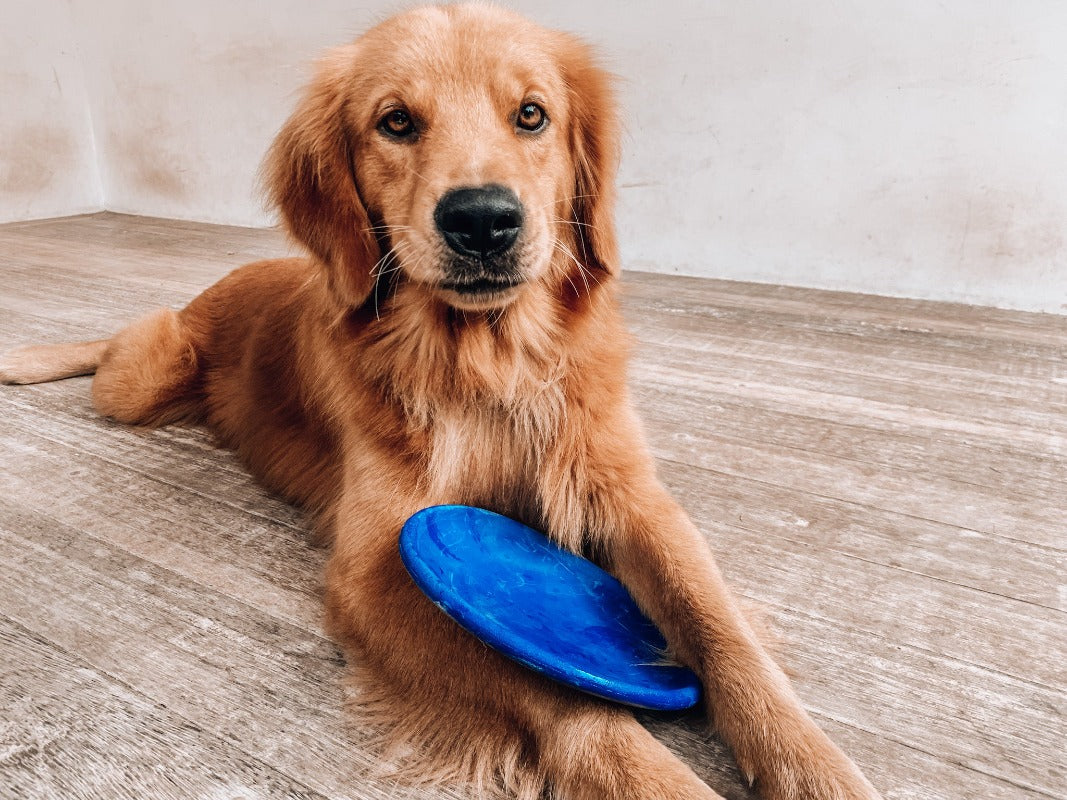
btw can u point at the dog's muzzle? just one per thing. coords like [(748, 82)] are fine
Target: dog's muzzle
[(481, 227)]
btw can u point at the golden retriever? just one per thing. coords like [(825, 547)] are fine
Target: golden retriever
[(454, 337)]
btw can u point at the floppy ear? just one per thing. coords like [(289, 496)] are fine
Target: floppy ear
[(310, 177), (595, 150)]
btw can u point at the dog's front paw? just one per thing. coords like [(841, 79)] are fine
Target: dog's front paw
[(806, 765), (826, 781)]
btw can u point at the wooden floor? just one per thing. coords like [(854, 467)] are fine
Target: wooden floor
[(889, 477)]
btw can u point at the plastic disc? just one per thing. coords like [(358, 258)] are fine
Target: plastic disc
[(554, 611)]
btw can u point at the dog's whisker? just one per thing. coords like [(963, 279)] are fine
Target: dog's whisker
[(571, 222), (574, 288), (393, 255), (387, 265), (379, 269), (559, 246), (581, 235), (417, 266), (570, 199), (417, 174), (585, 271)]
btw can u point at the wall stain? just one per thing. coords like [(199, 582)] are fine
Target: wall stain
[(33, 156), (146, 155), (143, 163)]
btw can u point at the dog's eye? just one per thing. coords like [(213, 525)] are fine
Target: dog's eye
[(531, 118), (397, 123)]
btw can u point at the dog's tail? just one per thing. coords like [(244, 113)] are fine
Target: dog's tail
[(51, 362)]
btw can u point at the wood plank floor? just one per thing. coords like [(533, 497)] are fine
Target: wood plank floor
[(888, 477)]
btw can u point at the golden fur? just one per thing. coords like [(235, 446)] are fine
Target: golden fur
[(355, 384)]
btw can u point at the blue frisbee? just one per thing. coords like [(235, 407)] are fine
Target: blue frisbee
[(545, 607)]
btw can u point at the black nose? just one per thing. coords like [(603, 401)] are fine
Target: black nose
[(479, 222)]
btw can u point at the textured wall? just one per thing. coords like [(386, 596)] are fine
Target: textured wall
[(911, 148), (48, 166), (190, 95)]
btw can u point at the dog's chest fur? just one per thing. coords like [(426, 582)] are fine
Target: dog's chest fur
[(491, 455), (493, 411)]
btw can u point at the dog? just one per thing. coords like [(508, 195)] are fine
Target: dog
[(453, 336)]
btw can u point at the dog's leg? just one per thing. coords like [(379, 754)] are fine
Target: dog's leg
[(654, 549), (473, 707), (148, 372), (40, 363)]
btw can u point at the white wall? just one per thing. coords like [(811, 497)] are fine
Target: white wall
[(189, 95), (47, 159), (904, 148), (909, 148)]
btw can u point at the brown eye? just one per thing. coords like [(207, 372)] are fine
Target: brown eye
[(397, 123), (531, 118)]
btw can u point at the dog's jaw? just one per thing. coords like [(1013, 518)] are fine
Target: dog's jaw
[(481, 295)]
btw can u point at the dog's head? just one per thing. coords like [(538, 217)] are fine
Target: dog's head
[(462, 148)]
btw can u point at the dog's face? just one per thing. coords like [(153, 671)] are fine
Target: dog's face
[(463, 153), (463, 149)]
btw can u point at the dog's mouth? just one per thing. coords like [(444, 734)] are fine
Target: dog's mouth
[(481, 287), (480, 294)]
